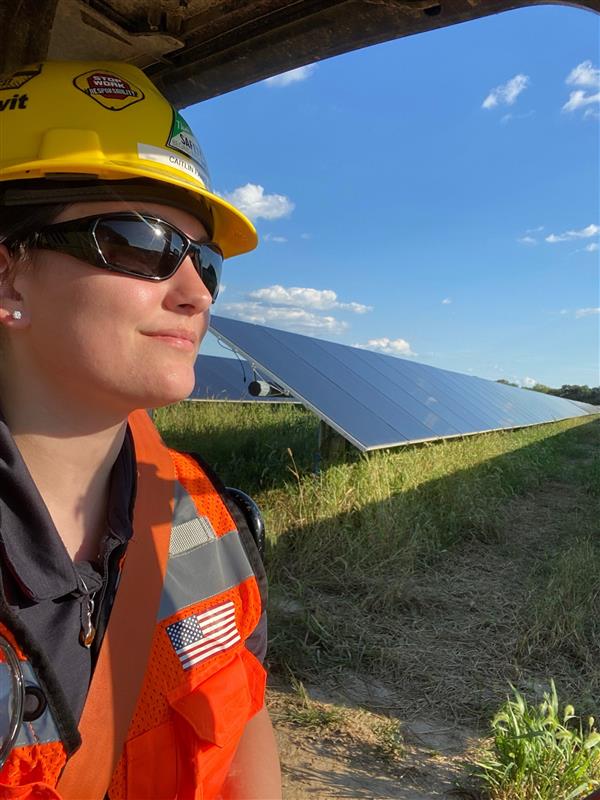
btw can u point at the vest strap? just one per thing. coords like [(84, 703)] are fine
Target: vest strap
[(125, 649)]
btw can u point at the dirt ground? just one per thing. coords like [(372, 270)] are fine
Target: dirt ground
[(346, 761), (454, 647)]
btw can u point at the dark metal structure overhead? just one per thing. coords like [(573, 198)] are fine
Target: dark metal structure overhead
[(196, 49)]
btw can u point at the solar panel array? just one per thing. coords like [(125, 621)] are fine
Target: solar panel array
[(375, 400), (226, 379)]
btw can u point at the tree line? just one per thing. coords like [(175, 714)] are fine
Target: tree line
[(585, 394)]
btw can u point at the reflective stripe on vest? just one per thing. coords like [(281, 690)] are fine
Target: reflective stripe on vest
[(201, 684), (39, 755)]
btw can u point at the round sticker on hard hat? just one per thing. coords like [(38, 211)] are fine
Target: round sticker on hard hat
[(109, 89)]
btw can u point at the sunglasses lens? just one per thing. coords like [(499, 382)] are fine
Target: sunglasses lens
[(209, 263), (139, 246)]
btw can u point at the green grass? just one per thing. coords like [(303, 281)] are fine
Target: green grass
[(246, 443), (305, 712), (358, 554), (390, 741), (541, 752), (565, 603)]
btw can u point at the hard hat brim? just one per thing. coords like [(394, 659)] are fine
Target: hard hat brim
[(232, 230)]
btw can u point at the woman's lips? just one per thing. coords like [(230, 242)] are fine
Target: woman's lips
[(185, 340)]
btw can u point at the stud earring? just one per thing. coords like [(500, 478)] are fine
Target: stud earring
[(17, 315)]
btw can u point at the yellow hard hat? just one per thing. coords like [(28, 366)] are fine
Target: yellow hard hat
[(106, 121)]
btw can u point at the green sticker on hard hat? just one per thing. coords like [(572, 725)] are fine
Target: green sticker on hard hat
[(182, 139)]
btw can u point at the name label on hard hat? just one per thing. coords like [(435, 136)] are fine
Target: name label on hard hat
[(162, 156)]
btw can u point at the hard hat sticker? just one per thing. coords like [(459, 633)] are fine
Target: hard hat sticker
[(182, 139), (19, 78), (192, 170), (108, 89)]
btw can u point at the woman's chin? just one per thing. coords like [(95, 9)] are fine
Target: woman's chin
[(170, 389)]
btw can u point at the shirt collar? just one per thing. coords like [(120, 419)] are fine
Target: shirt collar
[(31, 546)]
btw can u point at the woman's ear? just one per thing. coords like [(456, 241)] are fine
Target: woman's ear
[(12, 311)]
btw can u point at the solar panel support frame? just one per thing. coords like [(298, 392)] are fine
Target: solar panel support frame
[(276, 379)]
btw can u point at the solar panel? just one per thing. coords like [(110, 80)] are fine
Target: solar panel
[(375, 400), (227, 379)]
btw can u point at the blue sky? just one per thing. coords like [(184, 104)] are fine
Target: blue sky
[(435, 197)]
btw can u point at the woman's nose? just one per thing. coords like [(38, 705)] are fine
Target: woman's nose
[(187, 290)]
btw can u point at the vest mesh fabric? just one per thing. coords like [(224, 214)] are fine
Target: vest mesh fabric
[(164, 679), (206, 499), (36, 763)]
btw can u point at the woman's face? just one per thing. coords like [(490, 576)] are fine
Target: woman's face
[(110, 340)]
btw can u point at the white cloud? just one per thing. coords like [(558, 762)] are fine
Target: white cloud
[(584, 233), (507, 93), (252, 201), (506, 118), (592, 247), (586, 312), (270, 237), (446, 301), (305, 297), (293, 76), (295, 319), (584, 74), (588, 76), (357, 308), (528, 382), (391, 347), (581, 99), (527, 237)]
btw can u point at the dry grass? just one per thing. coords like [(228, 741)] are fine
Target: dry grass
[(438, 573)]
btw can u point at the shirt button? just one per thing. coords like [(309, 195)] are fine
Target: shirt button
[(35, 703)]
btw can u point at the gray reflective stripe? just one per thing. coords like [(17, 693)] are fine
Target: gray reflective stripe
[(189, 535), (184, 508), (190, 529), (203, 572), (39, 731)]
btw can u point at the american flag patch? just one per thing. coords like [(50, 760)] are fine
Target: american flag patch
[(200, 636)]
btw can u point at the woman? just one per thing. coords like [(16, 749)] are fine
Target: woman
[(132, 596)]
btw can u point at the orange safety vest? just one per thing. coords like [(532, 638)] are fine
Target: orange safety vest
[(201, 683)]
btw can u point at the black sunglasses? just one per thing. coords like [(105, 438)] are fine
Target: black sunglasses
[(133, 244)]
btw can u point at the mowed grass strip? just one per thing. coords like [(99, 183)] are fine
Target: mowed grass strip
[(426, 567)]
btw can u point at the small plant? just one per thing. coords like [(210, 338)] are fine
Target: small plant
[(539, 753), (309, 713), (390, 746)]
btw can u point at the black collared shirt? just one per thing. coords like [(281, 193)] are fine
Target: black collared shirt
[(46, 592), (43, 587)]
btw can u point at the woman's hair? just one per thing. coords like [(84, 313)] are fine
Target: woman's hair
[(18, 222)]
